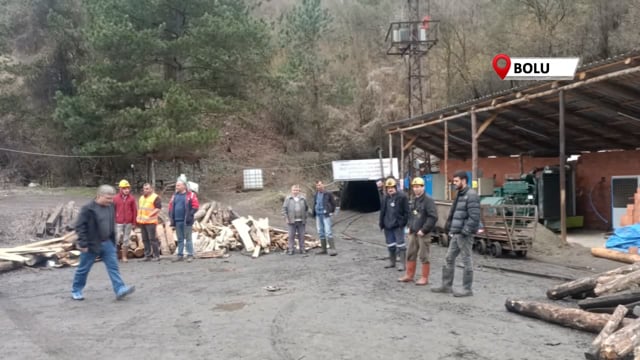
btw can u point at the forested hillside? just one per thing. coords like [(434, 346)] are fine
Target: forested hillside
[(176, 80)]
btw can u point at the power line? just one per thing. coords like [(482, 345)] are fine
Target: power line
[(58, 155)]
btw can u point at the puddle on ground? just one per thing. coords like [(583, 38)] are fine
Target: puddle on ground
[(229, 306)]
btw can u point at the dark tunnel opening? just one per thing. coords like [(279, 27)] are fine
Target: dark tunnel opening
[(361, 196)]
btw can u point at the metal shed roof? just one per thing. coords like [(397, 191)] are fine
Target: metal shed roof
[(602, 112)]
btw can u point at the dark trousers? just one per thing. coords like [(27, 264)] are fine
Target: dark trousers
[(296, 227), (150, 240)]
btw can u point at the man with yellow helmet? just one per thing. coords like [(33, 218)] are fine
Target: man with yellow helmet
[(394, 213), (423, 216), (126, 211)]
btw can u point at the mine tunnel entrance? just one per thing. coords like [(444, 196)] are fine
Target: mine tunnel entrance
[(360, 196)]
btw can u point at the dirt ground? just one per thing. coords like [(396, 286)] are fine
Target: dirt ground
[(343, 307)]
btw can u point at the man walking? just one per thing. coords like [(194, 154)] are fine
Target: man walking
[(324, 207), (294, 210), (97, 237), (422, 220), (182, 207), (462, 224), (126, 211), (149, 206), (394, 214)]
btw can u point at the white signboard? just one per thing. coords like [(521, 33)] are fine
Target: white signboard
[(359, 170)]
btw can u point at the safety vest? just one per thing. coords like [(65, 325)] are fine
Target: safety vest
[(145, 208)]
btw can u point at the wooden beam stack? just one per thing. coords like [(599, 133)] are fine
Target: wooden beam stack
[(609, 305), (56, 252)]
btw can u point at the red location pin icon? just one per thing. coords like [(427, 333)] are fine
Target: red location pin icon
[(501, 71)]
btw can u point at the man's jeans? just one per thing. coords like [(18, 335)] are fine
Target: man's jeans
[(323, 224), (183, 232), (108, 255)]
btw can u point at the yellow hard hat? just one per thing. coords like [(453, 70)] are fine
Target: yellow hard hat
[(124, 184), (390, 183), (417, 181)]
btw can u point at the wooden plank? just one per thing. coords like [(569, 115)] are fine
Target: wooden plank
[(55, 215), (243, 229), (12, 257)]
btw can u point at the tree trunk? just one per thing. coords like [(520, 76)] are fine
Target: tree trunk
[(568, 317), (612, 325), (153, 173), (586, 284), (622, 342), (628, 281)]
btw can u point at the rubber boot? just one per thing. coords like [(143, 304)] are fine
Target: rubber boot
[(332, 245), (424, 277), (124, 253), (323, 242), (402, 254), (467, 281), (447, 281), (411, 272), (392, 259)]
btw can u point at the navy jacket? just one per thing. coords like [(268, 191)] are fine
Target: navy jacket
[(192, 206)]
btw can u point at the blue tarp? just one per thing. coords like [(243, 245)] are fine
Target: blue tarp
[(623, 238)]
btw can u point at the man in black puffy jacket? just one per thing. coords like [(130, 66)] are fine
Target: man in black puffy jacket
[(462, 224), (393, 218)]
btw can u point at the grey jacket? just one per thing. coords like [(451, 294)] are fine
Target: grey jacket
[(289, 209), (464, 217)]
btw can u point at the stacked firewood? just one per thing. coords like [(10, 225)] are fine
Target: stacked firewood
[(220, 229), (609, 305), (56, 221), (57, 252)]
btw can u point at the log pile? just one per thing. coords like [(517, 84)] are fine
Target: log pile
[(218, 230), (609, 305), (56, 221), (57, 252)]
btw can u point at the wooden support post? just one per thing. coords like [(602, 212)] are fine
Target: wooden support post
[(401, 160), (447, 193), (474, 150), (563, 172), (391, 154)]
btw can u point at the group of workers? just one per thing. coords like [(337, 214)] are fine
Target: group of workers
[(110, 219), (415, 219)]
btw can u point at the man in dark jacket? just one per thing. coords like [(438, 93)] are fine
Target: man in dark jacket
[(393, 218), (182, 208), (323, 209), (126, 212), (422, 220), (97, 237), (461, 225)]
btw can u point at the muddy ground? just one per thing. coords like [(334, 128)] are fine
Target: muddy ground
[(343, 307)]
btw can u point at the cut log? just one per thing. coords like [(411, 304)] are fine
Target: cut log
[(572, 318), (586, 284), (243, 231), (612, 325), (610, 300), (139, 252), (171, 239), (54, 216), (34, 259), (615, 255), (256, 252), (202, 211), (628, 281), (621, 342), (164, 246), (207, 215)]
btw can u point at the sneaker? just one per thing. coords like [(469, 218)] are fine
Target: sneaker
[(178, 258), (189, 259), (127, 290), (77, 295)]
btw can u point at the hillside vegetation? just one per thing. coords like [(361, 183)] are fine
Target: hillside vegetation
[(168, 80)]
